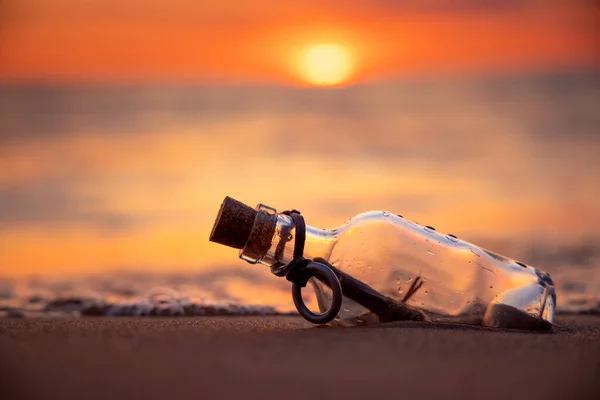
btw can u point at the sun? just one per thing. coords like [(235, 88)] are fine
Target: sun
[(326, 64)]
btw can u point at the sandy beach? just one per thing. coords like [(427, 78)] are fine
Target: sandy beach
[(285, 357)]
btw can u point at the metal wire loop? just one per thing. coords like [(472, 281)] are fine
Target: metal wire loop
[(333, 282)]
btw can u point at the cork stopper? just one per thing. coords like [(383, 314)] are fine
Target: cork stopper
[(233, 225)]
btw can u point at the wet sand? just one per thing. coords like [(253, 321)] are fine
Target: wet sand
[(287, 358)]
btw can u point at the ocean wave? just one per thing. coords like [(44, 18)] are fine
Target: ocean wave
[(226, 292)]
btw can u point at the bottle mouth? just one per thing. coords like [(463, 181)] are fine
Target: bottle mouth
[(261, 235), (240, 226)]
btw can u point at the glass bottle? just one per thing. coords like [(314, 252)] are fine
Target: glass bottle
[(439, 276)]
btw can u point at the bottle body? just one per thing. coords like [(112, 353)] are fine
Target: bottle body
[(443, 277)]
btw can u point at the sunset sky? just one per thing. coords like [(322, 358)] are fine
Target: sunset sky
[(123, 124), (196, 40)]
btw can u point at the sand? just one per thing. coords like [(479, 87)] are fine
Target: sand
[(287, 358)]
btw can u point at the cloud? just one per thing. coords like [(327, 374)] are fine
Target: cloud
[(345, 208), (55, 205), (444, 5), (377, 115), (156, 150)]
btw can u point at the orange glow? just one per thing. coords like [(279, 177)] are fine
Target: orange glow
[(97, 175), (75, 41), (325, 64)]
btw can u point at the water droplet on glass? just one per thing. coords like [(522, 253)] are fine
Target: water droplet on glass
[(430, 252), (386, 214), (491, 287), (400, 290), (426, 292), (347, 310), (521, 264)]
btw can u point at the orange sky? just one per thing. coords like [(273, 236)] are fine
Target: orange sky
[(109, 40), (105, 176)]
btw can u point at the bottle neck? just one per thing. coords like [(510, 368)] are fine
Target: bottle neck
[(318, 242)]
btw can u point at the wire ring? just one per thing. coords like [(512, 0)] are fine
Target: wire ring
[(314, 269)]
